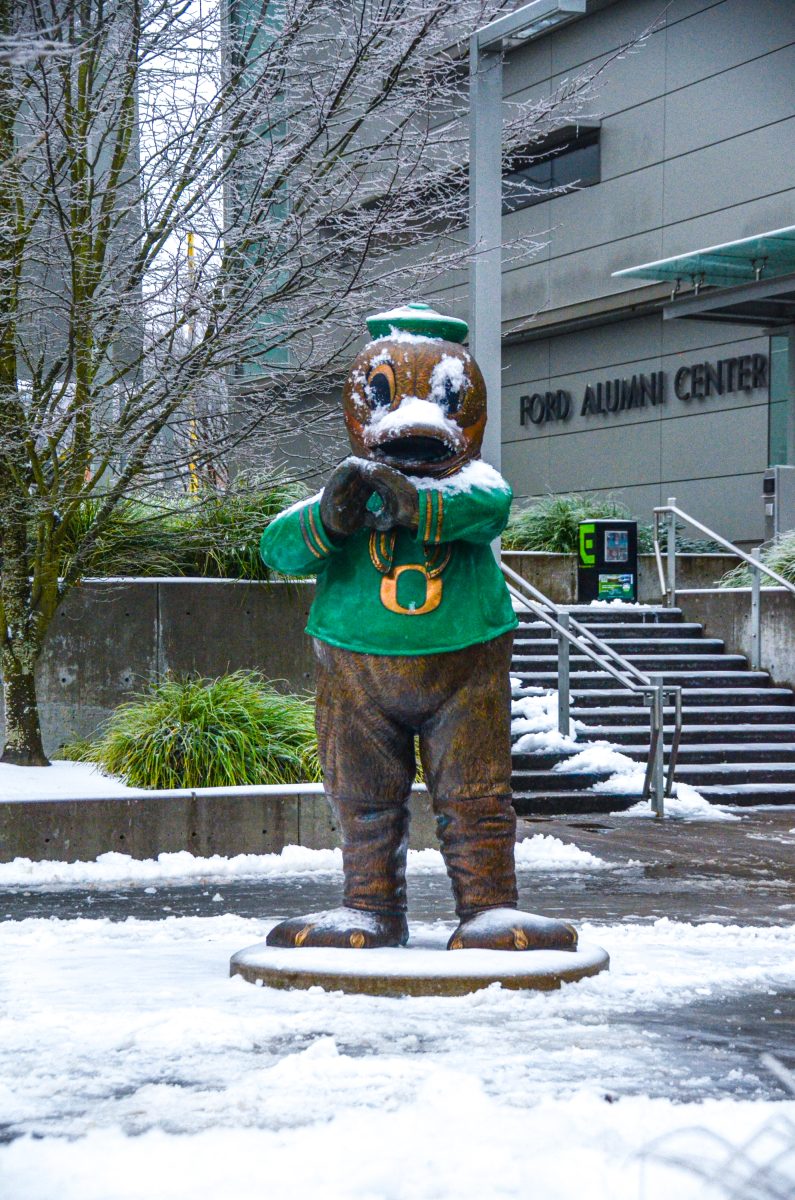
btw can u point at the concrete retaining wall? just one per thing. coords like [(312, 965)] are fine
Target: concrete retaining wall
[(204, 824), (112, 636), (726, 613), (109, 638), (556, 574)]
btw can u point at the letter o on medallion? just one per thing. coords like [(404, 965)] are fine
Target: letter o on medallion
[(433, 591)]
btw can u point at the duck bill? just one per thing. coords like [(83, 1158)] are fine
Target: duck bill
[(418, 451)]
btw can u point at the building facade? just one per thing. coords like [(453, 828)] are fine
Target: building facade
[(675, 378)]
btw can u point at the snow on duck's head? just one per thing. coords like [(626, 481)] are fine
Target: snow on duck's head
[(414, 398)]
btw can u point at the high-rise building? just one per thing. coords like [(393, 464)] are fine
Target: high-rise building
[(649, 349)]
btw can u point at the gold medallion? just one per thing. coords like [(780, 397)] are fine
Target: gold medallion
[(433, 590)]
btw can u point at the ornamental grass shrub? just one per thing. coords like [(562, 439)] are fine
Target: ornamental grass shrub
[(220, 530), (193, 732), (213, 533), (779, 555), (135, 541), (552, 523)]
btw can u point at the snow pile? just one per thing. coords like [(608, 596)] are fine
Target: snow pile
[(441, 1141), (411, 312), (617, 604), (299, 504), (375, 360), (627, 777), (544, 852), (412, 414), (519, 689), (541, 852), (403, 337), (474, 474), (448, 377), (178, 867), (598, 756), (60, 781), (535, 717), (545, 741), (83, 781), (686, 805)]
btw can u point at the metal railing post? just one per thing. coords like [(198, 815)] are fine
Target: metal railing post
[(756, 616), (568, 631), (485, 231), (564, 676), (753, 560), (658, 555), (657, 748), (671, 555), (673, 757)]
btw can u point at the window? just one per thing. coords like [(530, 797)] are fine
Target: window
[(569, 159)]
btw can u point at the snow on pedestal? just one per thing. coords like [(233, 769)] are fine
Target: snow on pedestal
[(423, 968)]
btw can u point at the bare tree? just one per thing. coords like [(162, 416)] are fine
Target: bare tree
[(198, 203)]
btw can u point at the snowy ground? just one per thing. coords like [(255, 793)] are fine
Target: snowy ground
[(179, 1082), (132, 1067), (60, 781)]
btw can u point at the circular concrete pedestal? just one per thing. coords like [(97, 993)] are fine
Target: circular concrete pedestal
[(423, 968)]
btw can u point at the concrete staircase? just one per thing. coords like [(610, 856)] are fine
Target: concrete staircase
[(738, 735)]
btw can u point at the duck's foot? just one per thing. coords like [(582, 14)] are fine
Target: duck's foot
[(344, 928), (509, 929)]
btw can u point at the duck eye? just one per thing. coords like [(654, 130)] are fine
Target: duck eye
[(449, 384), (380, 388), (451, 400)]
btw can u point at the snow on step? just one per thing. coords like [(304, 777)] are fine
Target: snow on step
[(738, 736)]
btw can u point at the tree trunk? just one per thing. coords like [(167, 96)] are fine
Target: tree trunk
[(23, 744)]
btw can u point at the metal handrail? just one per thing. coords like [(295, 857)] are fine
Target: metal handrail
[(670, 512), (630, 671), (754, 563), (657, 784)]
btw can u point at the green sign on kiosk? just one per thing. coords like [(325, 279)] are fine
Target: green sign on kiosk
[(608, 561)]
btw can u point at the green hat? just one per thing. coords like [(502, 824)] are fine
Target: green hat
[(420, 319)]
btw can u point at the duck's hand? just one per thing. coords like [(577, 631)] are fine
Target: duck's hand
[(400, 503)]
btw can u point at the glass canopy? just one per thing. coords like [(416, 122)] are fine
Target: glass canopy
[(765, 256)]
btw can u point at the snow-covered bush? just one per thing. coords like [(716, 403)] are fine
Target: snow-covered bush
[(552, 523), (778, 554), (213, 533)]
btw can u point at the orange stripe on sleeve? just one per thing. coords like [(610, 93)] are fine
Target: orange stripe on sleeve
[(306, 535)]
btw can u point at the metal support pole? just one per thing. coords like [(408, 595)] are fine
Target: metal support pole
[(756, 616), (671, 555), (658, 748), (790, 451), (485, 233), (673, 757), (564, 677)]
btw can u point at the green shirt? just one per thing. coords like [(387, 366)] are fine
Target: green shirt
[(405, 592)]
